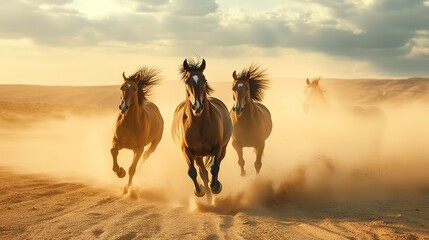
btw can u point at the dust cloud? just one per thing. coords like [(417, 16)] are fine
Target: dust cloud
[(307, 158)]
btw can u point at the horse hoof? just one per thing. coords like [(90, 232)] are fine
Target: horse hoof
[(218, 189), (125, 190), (201, 193), (121, 173), (243, 173)]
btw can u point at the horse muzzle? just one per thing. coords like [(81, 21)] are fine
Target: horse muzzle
[(197, 108), (124, 107), (238, 110)]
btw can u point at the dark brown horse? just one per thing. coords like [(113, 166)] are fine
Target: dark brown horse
[(251, 119), (202, 128), (138, 122)]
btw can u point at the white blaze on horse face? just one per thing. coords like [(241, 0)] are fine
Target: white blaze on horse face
[(129, 84), (240, 85), (195, 77)]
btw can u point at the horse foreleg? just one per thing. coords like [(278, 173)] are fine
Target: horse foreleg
[(132, 169), (216, 185), (192, 173), (239, 149), (205, 176), (120, 172), (259, 152), (151, 148)]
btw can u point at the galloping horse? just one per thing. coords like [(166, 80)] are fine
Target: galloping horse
[(202, 128), (251, 119), (315, 101), (369, 120), (138, 122)]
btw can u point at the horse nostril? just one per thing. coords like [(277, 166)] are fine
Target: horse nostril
[(193, 107), (119, 107)]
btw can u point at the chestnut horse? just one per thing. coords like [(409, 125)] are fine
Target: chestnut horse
[(138, 122), (251, 119), (202, 128)]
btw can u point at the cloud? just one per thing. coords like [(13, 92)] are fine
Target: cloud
[(390, 34), (151, 5), (51, 2), (23, 20), (194, 7)]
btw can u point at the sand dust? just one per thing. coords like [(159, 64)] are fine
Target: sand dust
[(321, 177)]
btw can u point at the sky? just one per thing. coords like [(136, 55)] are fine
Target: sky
[(91, 42)]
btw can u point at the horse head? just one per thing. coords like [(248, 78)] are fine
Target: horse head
[(197, 88), (128, 90), (241, 92), (314, 96)]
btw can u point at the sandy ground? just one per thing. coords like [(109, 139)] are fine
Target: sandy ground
[(319, 179)]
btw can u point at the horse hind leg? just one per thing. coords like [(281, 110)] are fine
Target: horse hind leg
[(205, 177), (132, 169), (120, 172), (259, 151), (239, 149)]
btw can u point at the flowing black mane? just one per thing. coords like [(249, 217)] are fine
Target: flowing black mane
[(146, 78), (194, 66), (257, 81)]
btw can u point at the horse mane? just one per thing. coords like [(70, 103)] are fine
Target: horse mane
[(258, 83), (146, 77), (194, 65)]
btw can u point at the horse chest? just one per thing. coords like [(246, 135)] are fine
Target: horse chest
[(249, 133), (129, 137), (201, 140)]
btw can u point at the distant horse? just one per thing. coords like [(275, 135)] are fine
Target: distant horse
[(372, 119), (250, 118), (138, 122), (202, 128)]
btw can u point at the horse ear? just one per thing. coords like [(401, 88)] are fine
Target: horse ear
[(248, 75), (123, 76), (234, 75), (186, 65), (308, 82), (202, 66)]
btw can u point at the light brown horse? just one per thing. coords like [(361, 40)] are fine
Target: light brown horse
[(251, 119), (202, 128), (315, 101), (369, 120), (138, 122)]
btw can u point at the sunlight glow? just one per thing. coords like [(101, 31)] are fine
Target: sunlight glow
[(99, 9)]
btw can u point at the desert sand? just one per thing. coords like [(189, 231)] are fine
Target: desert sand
[(319, 179)]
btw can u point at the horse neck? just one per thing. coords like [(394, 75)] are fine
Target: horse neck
[(135, 113), (250, 107)]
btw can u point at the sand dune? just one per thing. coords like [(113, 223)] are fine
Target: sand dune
[(319, 178)]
